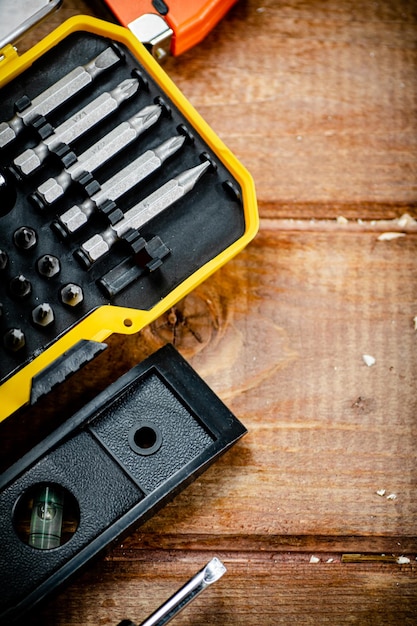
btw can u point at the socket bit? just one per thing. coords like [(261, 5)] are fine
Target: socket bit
[(98, 154), (57, 94), (139, 215), (76, 126), (120, 183)]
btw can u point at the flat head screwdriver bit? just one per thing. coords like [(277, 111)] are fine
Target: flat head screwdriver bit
[(139, 215), (98, 154), (120, 183), (57, 94), (77, 125), (211, 573)]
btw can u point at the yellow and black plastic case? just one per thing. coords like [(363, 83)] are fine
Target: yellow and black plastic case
[(58, 301)]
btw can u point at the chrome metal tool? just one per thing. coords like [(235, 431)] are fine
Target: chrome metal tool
[(212, 572), (76, 126), (98, 154), (56, 95), (124, 180), (136, 217)]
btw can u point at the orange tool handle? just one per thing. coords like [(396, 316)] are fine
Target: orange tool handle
[(190, 20)]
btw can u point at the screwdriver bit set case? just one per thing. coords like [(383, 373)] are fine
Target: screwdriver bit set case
[(116, 200)]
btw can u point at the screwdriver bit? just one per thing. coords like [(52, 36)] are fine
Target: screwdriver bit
[(58, 93), (14, 339), (43, 315), (25, 238), (49, 266), (73, 128), (72, 295), (121, 182), (211, 573), (100, 152), (20, 286), (136, 217)]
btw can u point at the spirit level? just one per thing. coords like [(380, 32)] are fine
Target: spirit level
[(108, 468)]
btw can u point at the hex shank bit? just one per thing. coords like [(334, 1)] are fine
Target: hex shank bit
[(211, 573), (57, 94), (120, 183), (74, 127), (99, 153), (139, 215)]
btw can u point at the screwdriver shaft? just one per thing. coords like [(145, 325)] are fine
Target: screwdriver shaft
[(212, 572), (58, 93)]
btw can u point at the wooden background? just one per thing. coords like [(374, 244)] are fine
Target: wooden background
[(318, 100)]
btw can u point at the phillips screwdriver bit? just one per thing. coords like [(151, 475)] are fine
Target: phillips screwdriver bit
[(57, 94), (100, 152), (136, 217), (73, 128), (211, 573), (120, 183)]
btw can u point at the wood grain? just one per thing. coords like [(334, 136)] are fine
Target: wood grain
[(318, 99), (282, 588)]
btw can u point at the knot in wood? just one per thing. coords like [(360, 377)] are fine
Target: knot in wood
[(189, 325)]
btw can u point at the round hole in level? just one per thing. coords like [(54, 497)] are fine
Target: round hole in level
[(145, 438), (128, 322), (46, 516)]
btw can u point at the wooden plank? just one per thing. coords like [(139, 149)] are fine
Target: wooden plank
[(318, 100), (282, 588), (326, 432)]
